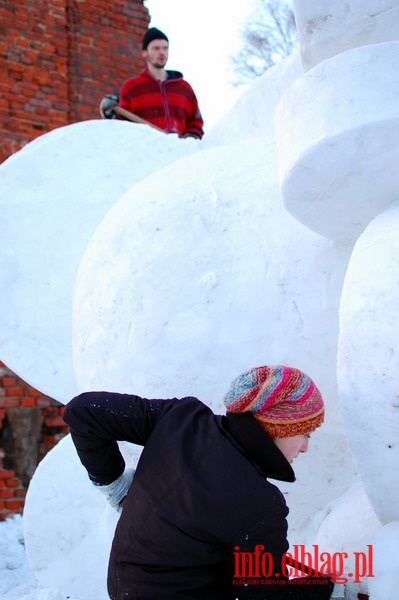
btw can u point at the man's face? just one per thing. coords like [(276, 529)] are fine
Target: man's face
[(157, 53)]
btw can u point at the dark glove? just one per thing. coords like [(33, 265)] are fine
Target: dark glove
[(106, 106), (191, 135)]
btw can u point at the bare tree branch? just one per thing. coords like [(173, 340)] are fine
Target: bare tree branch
[(268, 36)]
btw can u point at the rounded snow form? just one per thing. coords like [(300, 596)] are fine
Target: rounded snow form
[(348, 524), (368, 360), (337, 128), (384, 584), (189, 273), (180, 289), (185, 286), (68, 524), (252, 115), (327, 27), (54, 193)]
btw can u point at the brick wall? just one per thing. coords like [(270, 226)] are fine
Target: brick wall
[(30, 425), (59, 57)]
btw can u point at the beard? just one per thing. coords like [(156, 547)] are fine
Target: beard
[(159, 64)]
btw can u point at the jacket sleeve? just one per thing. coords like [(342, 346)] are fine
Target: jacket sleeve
[(98, 420), (195, 122), (126, 95)]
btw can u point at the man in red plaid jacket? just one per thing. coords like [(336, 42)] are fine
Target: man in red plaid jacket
[(159, 96)]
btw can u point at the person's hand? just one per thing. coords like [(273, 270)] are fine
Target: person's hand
[(107, 104), (116, 491)]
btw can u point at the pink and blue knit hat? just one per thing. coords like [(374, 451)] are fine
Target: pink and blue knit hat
[(284, 400)]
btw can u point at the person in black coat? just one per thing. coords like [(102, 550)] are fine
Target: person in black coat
[(199, 518)]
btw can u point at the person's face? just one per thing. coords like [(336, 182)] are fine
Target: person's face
[(157, 53), (292, 446)]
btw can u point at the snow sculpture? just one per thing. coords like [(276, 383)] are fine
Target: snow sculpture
[(327, 28), (252, 115), (167, 285), (337, 154), (369, 387), (187, 260), (384, 585), (77, 562), (337, 131), (337, 124), (193, 284), (348, 524), (54, 192)]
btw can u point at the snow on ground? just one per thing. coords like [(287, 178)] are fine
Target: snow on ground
[(17, 581)]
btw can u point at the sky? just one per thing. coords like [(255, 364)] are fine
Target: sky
[(202, 36)]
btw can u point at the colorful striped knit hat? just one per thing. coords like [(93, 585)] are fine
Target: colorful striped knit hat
[(284, 400)]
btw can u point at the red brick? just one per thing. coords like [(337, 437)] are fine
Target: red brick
[(34, 393), (14, 391), (42, 401), (12, 483), (5, 493), (9, 381), (9, 402), (13, 504), (55, 422), (27, 402), (49, 440), (6, 474)]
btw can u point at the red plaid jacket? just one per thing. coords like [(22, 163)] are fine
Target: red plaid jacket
[(171, 105)]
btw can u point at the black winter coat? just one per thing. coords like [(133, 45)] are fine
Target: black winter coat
[(199, 497)]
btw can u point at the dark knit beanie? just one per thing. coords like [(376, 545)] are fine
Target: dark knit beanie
[(284, 401), (153, 34)]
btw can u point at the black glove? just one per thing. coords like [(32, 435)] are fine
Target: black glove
[(106, 106)]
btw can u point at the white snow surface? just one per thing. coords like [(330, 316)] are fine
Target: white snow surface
[(135, 261), (54, 192), (327, 28), (386, 562), (336, 171), (369, 387)]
